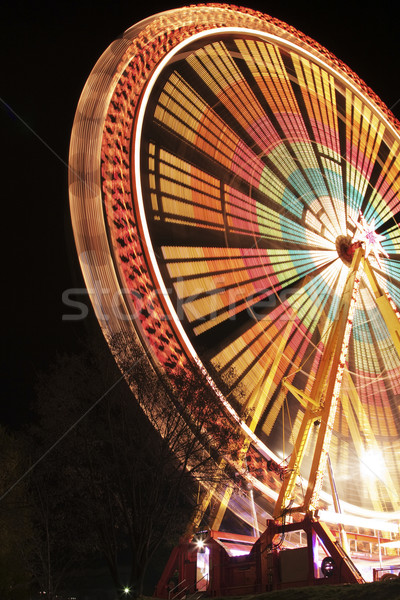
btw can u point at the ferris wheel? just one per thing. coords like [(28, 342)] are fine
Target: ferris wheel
[(221, 165)]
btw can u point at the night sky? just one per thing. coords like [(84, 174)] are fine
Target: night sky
[(48, 51)]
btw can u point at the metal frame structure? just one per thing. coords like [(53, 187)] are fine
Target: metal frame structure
[(215, 155), (321, 405)]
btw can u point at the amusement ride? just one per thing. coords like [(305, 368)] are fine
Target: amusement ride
[(235, 198)]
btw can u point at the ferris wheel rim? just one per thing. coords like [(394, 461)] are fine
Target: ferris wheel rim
[(389, 123)]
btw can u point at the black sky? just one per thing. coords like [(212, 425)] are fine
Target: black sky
[(48, 51)]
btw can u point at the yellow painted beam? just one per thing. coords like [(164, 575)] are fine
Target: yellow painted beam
[(257, 404), (301, 396), (261, 396), (223, 505), (388, 312), (324, 394)]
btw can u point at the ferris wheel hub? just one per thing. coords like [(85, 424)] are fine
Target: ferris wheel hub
[(345, 247)]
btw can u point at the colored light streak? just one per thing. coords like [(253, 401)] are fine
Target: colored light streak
[(248, 214), (354, 521)]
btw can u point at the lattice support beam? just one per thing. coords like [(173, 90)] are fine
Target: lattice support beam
[(324, 394)]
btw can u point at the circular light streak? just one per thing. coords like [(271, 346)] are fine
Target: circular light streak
[(219, 162)]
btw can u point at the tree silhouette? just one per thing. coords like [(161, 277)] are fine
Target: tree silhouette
[(15, 523), (128, 472)]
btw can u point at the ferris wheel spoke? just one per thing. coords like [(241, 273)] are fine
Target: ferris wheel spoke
[(254, 345), (294, 165), (189, 197), (220, 288)]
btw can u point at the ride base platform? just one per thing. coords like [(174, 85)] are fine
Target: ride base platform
[(216, 563)]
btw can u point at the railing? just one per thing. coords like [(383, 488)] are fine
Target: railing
[(187, 592), (386, 573), (175, 593)]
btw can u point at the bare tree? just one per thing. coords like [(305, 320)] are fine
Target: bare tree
[(129, 471), (56, 547), (15, 576)]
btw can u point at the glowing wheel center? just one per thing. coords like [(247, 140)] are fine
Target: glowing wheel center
[(345, 248)]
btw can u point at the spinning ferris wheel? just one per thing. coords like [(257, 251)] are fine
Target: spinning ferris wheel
[(220, 162)]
